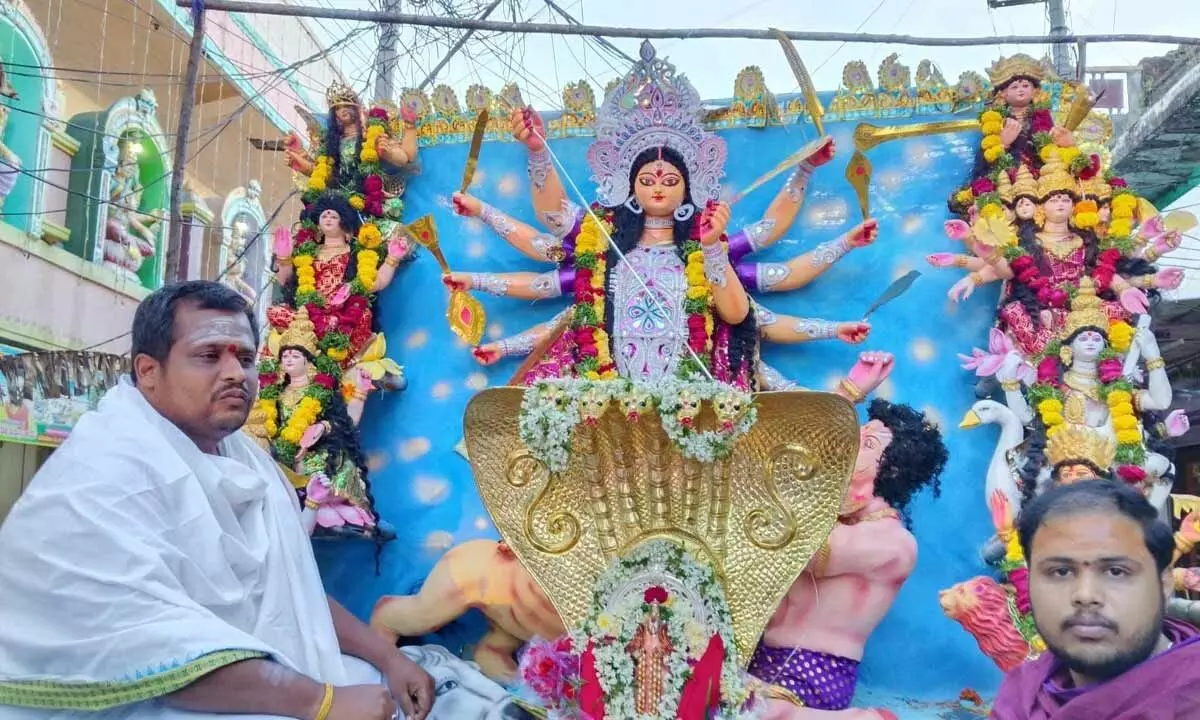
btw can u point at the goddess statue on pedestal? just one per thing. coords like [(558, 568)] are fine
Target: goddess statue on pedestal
[(658, 288)]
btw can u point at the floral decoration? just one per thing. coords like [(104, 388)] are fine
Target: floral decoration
[(593, 359), (550, 412), (592, 664)]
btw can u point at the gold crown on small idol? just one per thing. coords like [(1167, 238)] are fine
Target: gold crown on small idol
[(1085, 310), (1005, 70), (1026, 185), (300, 333), (1074, 443), (1004, 187), (1097, 188), (1055, 178), (340, 94)]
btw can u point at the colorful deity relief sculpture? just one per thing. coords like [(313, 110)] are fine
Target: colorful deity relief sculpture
[(345, 249), (310, 428), (1083, 383), (481, 574), (130, 235), (10, 163), (812, 647), (235, 273), (658, 175)]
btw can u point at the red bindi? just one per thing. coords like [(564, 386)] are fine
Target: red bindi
[(233, 349)]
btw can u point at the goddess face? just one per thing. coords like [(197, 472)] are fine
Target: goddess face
[(1105, 212), (1025, 208), (1059, 207), (1088, 345), (1069, 474), (659, 188), (1018, 93), (330, 223), (293, 363), (873, 438), (345, 114)]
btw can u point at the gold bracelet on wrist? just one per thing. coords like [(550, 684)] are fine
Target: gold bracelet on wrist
[(855, 393), (1151, 255), (1155, 364), (310, 504), (359, 395), (1010, 385), (976, 278), (326, 703), (391, 262), (285, 260), (1183, 546)]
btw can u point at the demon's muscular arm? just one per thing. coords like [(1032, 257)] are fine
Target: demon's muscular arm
[(878, 549)]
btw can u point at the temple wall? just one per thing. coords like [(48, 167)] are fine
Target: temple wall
[(425, 489)]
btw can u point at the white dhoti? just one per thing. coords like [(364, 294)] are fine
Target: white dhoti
[(134, 564)]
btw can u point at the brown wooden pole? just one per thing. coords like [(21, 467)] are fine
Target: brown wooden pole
[(378, 16), (178, 165)]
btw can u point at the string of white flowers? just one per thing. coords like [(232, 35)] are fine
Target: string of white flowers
[(550, 412)]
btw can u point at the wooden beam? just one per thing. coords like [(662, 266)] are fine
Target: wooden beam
[(179, 165), (378, 16)]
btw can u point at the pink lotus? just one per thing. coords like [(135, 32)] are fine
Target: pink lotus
[(333, 511), (957, 230), (986, 363)]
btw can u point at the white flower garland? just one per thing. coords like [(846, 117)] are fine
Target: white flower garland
[(618, 610), (550, 412)]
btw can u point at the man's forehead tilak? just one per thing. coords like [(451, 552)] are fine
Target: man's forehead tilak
[(231, 331)]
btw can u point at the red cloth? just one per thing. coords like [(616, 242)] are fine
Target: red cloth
[(703, 689), (1165, 687), (591, 695)]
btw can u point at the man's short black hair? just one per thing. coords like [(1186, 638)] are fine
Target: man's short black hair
[(1098, 495), (154, 321)]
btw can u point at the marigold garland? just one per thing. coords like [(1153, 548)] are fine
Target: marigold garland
[(270, 414), (369, 236), (368, 268), (991, 123), (307, 411), (306, 276), (319, 178), (593, 358), (371, 136)]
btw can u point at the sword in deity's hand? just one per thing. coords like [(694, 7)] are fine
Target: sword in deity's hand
[(473, 154), (789, 162), (895, 290)]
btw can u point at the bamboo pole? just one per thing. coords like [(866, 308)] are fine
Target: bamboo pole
[(378, 16), (178, 166)]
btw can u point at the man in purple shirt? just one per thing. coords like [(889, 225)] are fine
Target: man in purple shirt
[(1099, 579)]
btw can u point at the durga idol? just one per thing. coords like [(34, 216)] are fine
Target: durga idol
[(658, 287)]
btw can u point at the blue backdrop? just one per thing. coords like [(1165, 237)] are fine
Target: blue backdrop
[(423, 487)]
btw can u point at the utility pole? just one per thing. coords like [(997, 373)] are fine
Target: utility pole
[(1060, 52), (179, 166), (386, 58)]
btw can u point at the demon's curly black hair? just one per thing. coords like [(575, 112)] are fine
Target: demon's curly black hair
[(915, 457), (627, 231)]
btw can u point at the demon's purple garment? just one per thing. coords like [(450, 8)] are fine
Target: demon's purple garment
[(822, 681)]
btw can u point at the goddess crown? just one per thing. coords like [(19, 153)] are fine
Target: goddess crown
[(653, 107), (339, 94), (1075, 444)]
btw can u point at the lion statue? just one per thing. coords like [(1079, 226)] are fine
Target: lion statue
[(980, 605)]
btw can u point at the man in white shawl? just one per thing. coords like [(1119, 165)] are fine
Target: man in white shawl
[(157, 567)]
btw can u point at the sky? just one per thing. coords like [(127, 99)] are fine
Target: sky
[(542, 65)]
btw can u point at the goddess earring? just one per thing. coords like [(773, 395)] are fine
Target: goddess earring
[(632, 205), (684, 212), (1066, 355), (1039, 217)]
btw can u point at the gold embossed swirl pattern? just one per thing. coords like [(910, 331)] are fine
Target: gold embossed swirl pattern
[(757, 516)]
